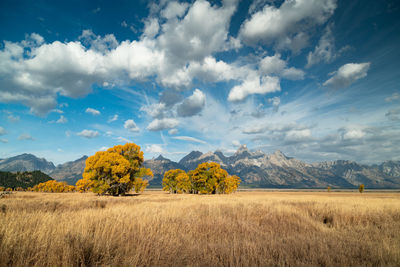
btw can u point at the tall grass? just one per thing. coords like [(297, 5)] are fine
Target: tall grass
[(158, 229)]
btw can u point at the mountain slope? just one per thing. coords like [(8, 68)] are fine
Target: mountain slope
[(70, 172), (159, 166), (26, 162)]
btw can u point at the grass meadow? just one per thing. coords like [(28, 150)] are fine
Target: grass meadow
[(241, 229)]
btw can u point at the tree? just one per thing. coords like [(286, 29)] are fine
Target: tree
[(361, 188), (140, 185), (183, 184), (83, 185), (229, 185), (53, 186), (208, 178), (114, 171), (169, 182)]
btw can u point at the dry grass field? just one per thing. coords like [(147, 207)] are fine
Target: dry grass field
[(242, 229)]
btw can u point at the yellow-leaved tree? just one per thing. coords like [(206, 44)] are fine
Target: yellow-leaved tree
[(169, 181), (207, 178), (115, 171)]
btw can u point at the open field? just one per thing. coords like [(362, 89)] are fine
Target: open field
[(242, 229)]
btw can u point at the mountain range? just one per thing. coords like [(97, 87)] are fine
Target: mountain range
[(256, 169)]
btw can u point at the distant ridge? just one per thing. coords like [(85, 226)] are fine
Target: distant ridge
[(256, 169), (26, 162)]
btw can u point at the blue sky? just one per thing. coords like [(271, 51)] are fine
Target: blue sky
[(317, 79)]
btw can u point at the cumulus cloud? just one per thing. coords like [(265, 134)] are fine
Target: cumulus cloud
[(88, 134), (192, 105), (131, 126), (347, 74), (2, 131), (62, 119), (298, 135), (154, 148), (162, 124), (156, 110), (236, 143), (173, 131), (92, 111), (275, 101), (275, 65), (185, 35), (174, 9), (272, 23), (324, 51), (189, 139), (169, 98), (26, 136), (348, 134), (254, 85)]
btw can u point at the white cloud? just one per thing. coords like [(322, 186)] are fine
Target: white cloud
[(113, 118), (276, 101), (104, 148), (131, 126), (298, 134), (347, 74), (154, 148), (324, 51), (189, 139), (122, 139), (272, 64), (3, 140), (236, 143), (275, 65), (173, 131), (25, 136), (162, 124), (92, 111), (174, 9), (156, 110), (2, 131), (62, 119), (254, 85), (353, 134), (88, 134), (271, 23), (151, 28), (192, 105)]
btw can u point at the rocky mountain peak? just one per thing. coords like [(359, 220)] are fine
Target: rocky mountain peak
[(279, 154), (242, 149), (191, 156), (160, 157)]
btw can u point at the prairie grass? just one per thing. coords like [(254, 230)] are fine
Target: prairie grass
[(242, 229)]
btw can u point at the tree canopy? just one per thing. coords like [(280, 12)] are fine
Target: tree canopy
[(115, 171), (207, 178)]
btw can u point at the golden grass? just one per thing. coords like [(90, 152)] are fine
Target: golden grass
[(242, 229)]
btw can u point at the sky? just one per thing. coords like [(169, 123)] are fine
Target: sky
[(317, 79)]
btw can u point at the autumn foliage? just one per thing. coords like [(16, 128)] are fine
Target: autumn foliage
[(53, 186), (207, 178), (115, 171)]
